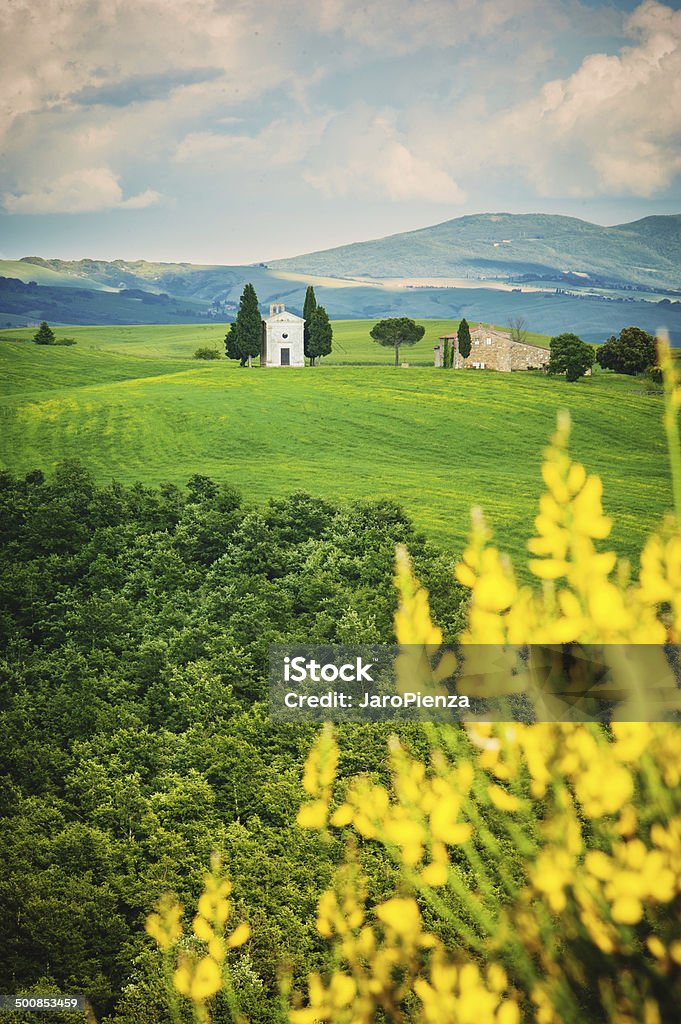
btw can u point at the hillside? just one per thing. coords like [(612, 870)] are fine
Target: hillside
[(22, 303), (504, 246), (437, 443), (594, 318), (646, 252)]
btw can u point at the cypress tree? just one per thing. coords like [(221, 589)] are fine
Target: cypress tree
[(321, 334), (446, 362), (231, 347), (464, 334), (248, 326), (308, 309), (44, 335)]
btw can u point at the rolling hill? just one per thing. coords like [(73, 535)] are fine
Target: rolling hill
[(22, 303), (436, 442), (502, 245)]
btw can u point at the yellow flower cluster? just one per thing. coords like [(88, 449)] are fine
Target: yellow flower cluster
[(199, 978), (463, 994), (373, 955), (318, 779), (422, 820), (413, 625), (633, 875), (599, 864), (551, 851), (660, 579), (586, 595), (165, 923), (381, 964)]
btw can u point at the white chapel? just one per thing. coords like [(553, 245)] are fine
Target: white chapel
[(282, 338)]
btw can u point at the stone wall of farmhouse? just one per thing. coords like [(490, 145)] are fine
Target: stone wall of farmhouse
[(495, 350), (525, 357)]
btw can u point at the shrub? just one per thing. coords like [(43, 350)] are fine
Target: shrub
[(65, 341), (207, 353)]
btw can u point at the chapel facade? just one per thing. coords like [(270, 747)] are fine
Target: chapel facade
[(282, 338)]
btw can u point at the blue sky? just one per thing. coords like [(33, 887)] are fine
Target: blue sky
[(229, 131)]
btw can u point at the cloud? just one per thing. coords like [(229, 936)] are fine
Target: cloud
[(96, 84), (89, 190), (404, 26), (283, 141), (612, 126), (359, 152), (93, 51), (141, 88), (113, 105), (363, 153)]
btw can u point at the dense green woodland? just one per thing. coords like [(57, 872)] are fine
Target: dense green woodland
[(135, 737)]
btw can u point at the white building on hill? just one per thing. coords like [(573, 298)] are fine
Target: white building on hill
[(282, 338)]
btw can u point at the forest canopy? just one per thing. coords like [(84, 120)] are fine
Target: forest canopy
[(136, 623)]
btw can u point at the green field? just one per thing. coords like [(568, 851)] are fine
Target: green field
[(132, 405), (351, 341)]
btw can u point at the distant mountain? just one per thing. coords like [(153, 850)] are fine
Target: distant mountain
[(512, 246)]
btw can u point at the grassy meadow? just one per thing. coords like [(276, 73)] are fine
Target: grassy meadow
[(351, 341), (132, 404)]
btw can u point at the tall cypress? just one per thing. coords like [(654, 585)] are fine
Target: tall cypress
[(248, 326), (231, 343), (321, 334), (464, 334), (308, 309)]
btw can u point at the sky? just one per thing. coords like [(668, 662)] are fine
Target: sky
[(234, 131)]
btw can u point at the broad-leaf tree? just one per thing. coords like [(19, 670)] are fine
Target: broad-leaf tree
[(308, 309), (395, 332), (571, 356), (464, 335), (44, 335), (321, 334), (632, 352)]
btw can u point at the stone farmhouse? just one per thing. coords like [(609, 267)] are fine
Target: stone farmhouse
[(492, 349), (282, 338)]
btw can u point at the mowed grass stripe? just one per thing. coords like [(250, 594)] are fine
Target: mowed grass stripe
[(436, 442), (28, 368)]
